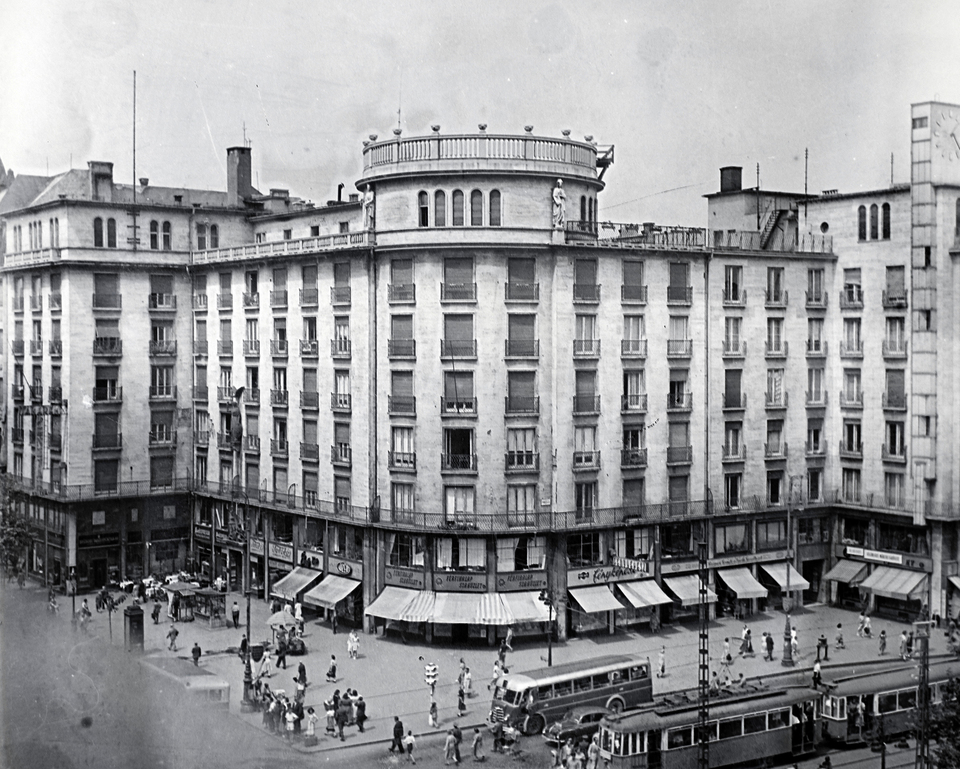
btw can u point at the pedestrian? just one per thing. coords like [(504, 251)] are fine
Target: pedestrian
[(909, 644), (817, 680), (654, 620), (449, 744), (311, 732), (397, 735), (433, 717), (727, 659), (301, 674), (794, 643), (343, 715), (360, 713), (497, 730), (502, 651), (867, 632), (461, 701), (714, 683), (333, 621), (332, 669), (903, 644), (282, 652), (298, 615), (509, 639), (195, 652), (566, 752), (822, 644), (172, 634), (156, 613), (593, 752), (477, 745), (497, 672), (468, 682), (883, 642), (662, 661), (235, 613), (743, 641), (457, 739), (840, 644), (290, 718), (266, 667), (749, 643), (409, 742), (353, 645), (243, 648), (860, 625), (330, 710)]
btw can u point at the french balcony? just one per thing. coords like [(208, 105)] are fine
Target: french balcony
[(816, 348), (17, 392), (633, 294), (200, 347), (340, 295), (775, 450), (586, 404), (677, 402), (55, 440), (310, 452), (586, 348), (251, 396), (340, 349), (162, 302), (463, 463), (225, 348), (400, 293), (111, 394), (278, 298), (164, 347), (521, 292), (225, 393), (775, 300), (679, 455), (106, 301), (279, 348), (586, 293), (734, 453), (521, 462), (309, 399), (279, 447), (894, 299), (309, 348), (851, 349), (402, 460), (17, 346), (775, 349), (200, 302), (458, 348), (111, 346), (55, 394), (633, 348), (251, 347), (633, 458), (201, 393), (279, 398), (816, 398), (734, 297), (775, 400), (816, 300), (458, 292), (633, 403), (680, 295), (107, 441), (586, 460), (225, 301), (36, 393), (201, 438), (251, 301), (163, 392), (734, 401), (851, 399), (36, 347), (309, 297), (404, 405), (341, 455), (162, 437), (851, 298), (55, 346), (521, 348), (458, 407), (679, 348), (895, 348), (897, 454), (16, 435), (519, 405), (734, 348), (896, 401), (18, 303), (36, 303), (402, 348), (815, 448), (851, 450), (251, 444), (341, 403)]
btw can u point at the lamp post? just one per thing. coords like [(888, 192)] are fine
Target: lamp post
[(788, 660), (247, 705), (547, 597), (73, 596)]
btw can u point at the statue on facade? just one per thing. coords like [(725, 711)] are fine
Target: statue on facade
[(369, 206), (559, 205)]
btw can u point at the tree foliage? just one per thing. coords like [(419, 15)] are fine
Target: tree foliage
[(945, 726), (14, 529)]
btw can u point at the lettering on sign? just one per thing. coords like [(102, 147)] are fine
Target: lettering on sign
[(521, 580), (462, 582), (602, 575), (344, 568), (412, 578), (203, 534), (352, 569), (676, 567), (281, 552), (256, 547)]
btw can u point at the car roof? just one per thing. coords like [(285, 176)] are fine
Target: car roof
[(580, 710)]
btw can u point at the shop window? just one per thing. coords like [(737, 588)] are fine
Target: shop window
[(583, 549)]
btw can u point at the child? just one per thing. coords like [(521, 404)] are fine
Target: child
[(840, 644), (409, 742)]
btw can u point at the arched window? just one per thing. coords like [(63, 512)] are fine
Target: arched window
[(155, 235), (214, 236), (885, 232), (166, 242), (593, 209), (98, 233), (201, 237), (476, 208), (862, 223), (457, 208), (495, 216), (583, 208), (874, 222), (423, 209), (440, 209)]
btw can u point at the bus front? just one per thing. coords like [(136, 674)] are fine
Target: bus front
[(512, 697)]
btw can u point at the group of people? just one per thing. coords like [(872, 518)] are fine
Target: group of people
[(342, 710), (574, 755)]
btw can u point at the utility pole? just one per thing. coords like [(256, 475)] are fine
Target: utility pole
[(703, 698), (788, 660), (922, 635)]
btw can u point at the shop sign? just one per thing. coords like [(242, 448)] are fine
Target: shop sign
[(281, 552), (521, 580), (603, 575), (874, 555), (256, 546), (311, 558), (221, 537), (279, 565), (105, 539), (344, 568), (461, 581), (725, 562), (412, 578), (203, 534)]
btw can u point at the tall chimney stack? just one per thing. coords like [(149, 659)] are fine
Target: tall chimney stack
[(239, 176)]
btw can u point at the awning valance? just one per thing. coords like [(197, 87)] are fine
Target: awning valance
[(391, 602), (742, 582), (526, 606), (687, 589), (595, 599), (955, 581), (778, 573), (643, 593), (848, 572), (420, 609), (493, 610), (900, 584), (457, 608), (298, 580), (330, 592)]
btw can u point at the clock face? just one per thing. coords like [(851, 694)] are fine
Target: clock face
[(946, 135)]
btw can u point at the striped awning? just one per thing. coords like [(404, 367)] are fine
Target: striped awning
[(778, 573), (526, 606), (687, 589), (298, 580), (644, 593), (420, 609), (742, 582), (900, 584), (848, 572), (493, 610), (391, 602), (457, 608), (330, 592)]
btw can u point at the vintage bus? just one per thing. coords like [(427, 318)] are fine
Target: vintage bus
[(174, 677), (527, 701)]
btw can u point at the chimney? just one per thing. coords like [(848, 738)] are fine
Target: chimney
[(239, 185), (144, 181), (730, 179), (101, 180)]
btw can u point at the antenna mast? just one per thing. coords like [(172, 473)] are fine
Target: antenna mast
[(399, 97)]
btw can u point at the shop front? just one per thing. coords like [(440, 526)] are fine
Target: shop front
[(288, 582), (738, 591), (519, 594), (844, 578), (456, 611), (257, 566), (784, 582), (338, 592), (612, 595), (899, 594), (686, 591)]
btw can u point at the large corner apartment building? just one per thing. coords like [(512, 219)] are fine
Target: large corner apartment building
[(461, 390)]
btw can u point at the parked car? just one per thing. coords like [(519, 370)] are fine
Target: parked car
[(580, 722)]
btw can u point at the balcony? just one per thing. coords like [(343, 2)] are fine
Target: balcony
[(340, 295), (278, 298), (734, 453), (521, 292), (55, 346), (400, 293), (309, 348), (225, 393), (851, 450), (896, 401), (851, 399), (774, 451), (894, 299), (777, 349), (341, 402), (586, 404), (586, 460), (775, 300), (402, 460), (632, 294), (734, 401), (251, 396), (224, 301), (106, 302), (853, 349), (279, 447), (734, 297), (775, 400), (251, 444), (279, 398), (17, 347), (458, 407), (521, 462), (734, 348), (851, 298), (309, 399), (403, 405), (163, 392), (310, 452), (251, 347), (111, 346), (162, 437), (36, 347), (633, 403), (816, 348), (586, 348), (225, 348), (816, 398), (162, 302), (109, 394), (816, 300), (55, 394), (36, 303), (200, 347), (341, 455), (815, 449), (679, 455), (458, 348), (898, 454), (633, 458), (309, 297), (36, 393), (677, 402), (463, 463), (279, 348), (17, 392), (895, 348), (107, 441), (458, 292), (163, 347), (201, 438), (680, 295), (518, 405), (633, 348), (586, 293), (679, 348), (223, 441), (200, 302), (16, 435), (521, 348), (340, 349), (201, 393), (251, 301)]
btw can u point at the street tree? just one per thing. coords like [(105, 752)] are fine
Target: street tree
[(945, 726), (14, 529)]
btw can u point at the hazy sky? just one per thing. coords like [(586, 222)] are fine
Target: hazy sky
[(681, 88)]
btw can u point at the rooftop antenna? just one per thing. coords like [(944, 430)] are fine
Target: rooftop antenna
[(891, 169), (134, 138), (246, 142), (399, 97), (806, 176)]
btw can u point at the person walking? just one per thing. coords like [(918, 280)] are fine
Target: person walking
[(749, 639), (903, 644), (311, 730), (449, 744), (860, 625), (235, 613), (497, 672), (468, 682), (397, 735), (195, 652), (333, 621), (156, 613), (343, 715), (409, 742), (332, 669), (509, 639), (461, 702), (883, 642), (662, 661), (477, 745), (433, 717), (840, 643), (301, 674), (172, 634), (794, 642), (457, 739), (743, 641), (817, 680), (353, 645), (244, 645), (360, 716), (867, 632)]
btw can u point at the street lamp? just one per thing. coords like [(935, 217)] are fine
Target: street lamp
[(247, 705), (72, 583), (788, 660), (546, 596)]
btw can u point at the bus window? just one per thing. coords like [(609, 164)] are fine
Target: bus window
[(777, 719), (582, 684), (563, 689), (638, 672), (616, 676), (603, 679), (545, 692), (907, 699), (754, 724), (888, 702), (731, 728), (679, 738)]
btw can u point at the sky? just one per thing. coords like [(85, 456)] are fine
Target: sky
[(680, 88)]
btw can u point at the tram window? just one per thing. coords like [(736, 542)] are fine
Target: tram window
[(731, 728), (605, 739), (680, 738), (754, 724), (778, 719), (582, 684), (888, 702), (618, 744), (935, 696), (562, 689), (545, 693), (907, 699), (634, 744), (638, 672)]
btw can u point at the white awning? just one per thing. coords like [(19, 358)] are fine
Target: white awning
[(643, 593), (778, 573), (391, 602), (901, 584), (595, 599), (848, 572), (420, 609), (742, 582), (955, 581), (526, 606), (457, 608), (330, 592), (687, 589), (298, 580)]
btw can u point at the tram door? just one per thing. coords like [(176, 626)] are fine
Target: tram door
[(653, 749)]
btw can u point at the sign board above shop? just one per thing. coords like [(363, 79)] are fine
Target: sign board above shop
[(882, 556), (344, 568), (521, 580), (621, 570), (411, 578), (460, 581), (281, 552), (723, 562)]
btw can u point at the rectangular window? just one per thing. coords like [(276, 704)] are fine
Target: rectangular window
[(732, 538), (732, 283), (521, 504)]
